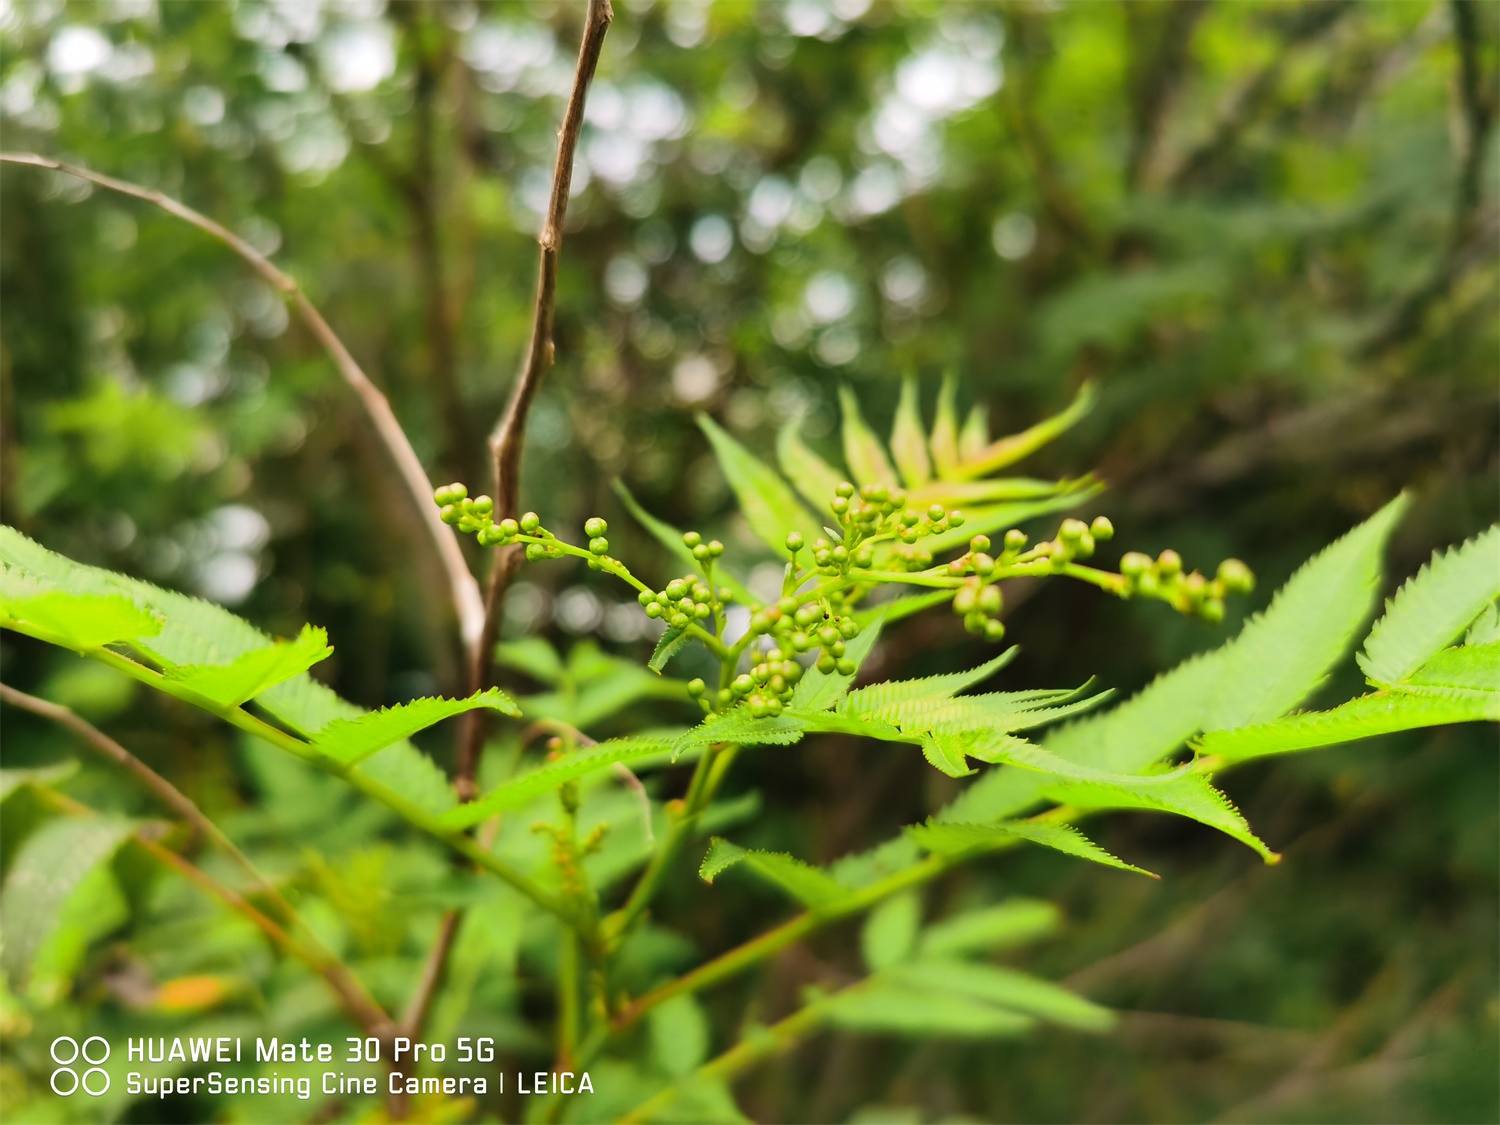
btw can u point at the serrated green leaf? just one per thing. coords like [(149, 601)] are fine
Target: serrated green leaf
[(1005, 988), (1189, 795), (247, 675), (975, 435), (529, 786), (888, 1008), (908, 438), (769, 505), (1433, 608), (818, 691), (77, 621), (1009, 450), (1283, 655), (679, 1035), (812, 476), (739, 727), (890, 932), (871, 701), (992, 712), (354, 739), (1486, 627), (671, 538), (1011, 923), (533, 656), (944, 440), (945, 752), (1471, 667), (966, 494), (410, 776), (807, 884), (668, 645), (864, 453), (1365, 717), (48, 868), (945, 838)]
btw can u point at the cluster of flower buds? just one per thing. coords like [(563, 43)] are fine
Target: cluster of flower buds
[(815, 626), (1190, 592), (765, 689), (682, 601), (978, 600)]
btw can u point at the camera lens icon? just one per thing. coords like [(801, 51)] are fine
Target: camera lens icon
[(66, 1051)]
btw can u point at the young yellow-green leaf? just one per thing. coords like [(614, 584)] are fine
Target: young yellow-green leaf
[(870, 702), (975, 436), (813, 477), (76, 621), (1008, 450), (908, 439), (944, 838), (354, 739), (884, 1007), (1014, 922), (1005, 988), (1281, 656), (1471, 667), (807, 884), (48, 867), (944, 440), (966, 494), (1369, 715), (39, 776), (534, 656), (863, 451), (1188, 795), (1433, 608), (770, 507), (546, 779), (890, 932), (1001, 517), (246, 676)]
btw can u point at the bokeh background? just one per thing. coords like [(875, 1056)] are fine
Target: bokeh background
[(1267, 230)]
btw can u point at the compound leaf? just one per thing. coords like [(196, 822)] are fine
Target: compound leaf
[(769, 505), (863, 451), (814, 477), (1005, 988), (890, 1008), (350, 740), (908, 441), (944, 838), (1010, 923), (247, 675), (810, 886)]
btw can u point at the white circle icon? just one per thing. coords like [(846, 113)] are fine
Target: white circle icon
[(65, 1052)]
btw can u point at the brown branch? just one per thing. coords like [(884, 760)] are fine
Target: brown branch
[(463, 590), (432, 975), (509, 436)]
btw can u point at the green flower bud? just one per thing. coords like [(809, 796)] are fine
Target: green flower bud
[(1147, 582), (530, 522), (983, 565), (490, 536), (965, 600), (450, 494), (801, 642), (848, 628), (645, 597), (845, 666), (760, 674), (839, 505), (844, 490), (979, 544), (1133, 564), (895, 498), (827, 664), (955, 518), (777, 684), (1236, 577), (742, 685), (679, 620), (936, 512), (715, 548), (822, 558), (653, 610), (1169, 562), (1072, 530), (1102, 529), (481, 505), (594, 527), (758, 708), (975, 622), (836, 649), (725, 593), (989, 600), (599, 546), (691, 539), (676, 589), (1015, 539), (993, 631), (794, 541), (840, 554), (828, 636), (535, 552), (450, 514), (701, 552), (696, 688), (791, 671), (701, 592), (510, 528), (1212, 610), (1084, 547), (807, 614), (724, 697)]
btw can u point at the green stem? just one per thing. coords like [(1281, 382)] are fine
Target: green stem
[(567, 1001)]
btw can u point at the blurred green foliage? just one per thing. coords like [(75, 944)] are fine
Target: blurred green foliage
[(1266, 230)]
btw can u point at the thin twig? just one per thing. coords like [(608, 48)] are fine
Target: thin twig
[(169, 795), (432, 975), (509, 436), (463, 590)]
